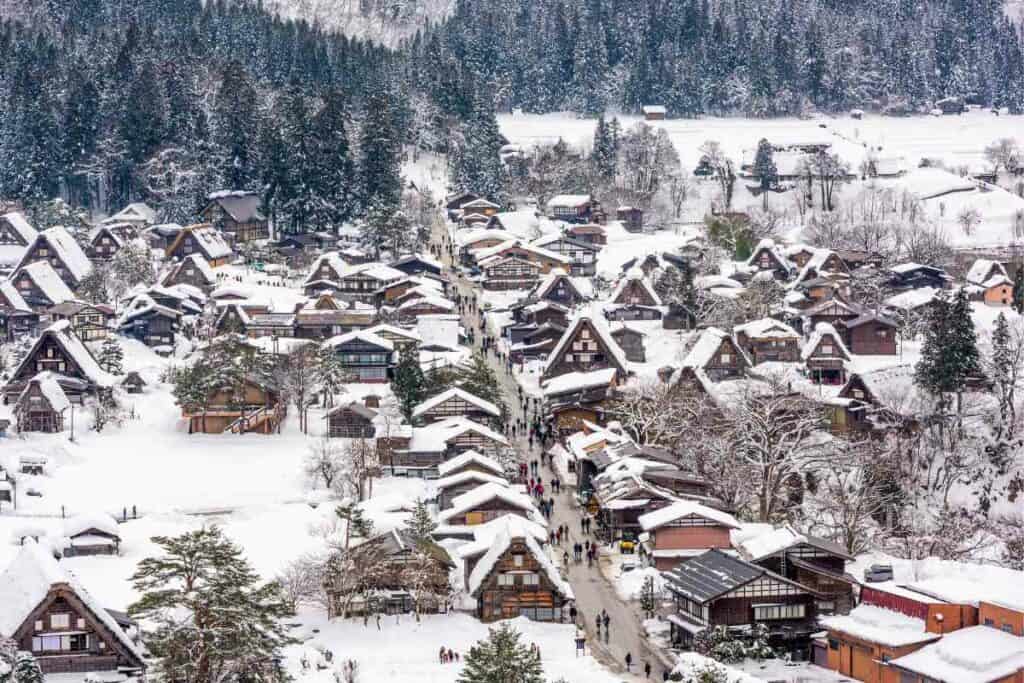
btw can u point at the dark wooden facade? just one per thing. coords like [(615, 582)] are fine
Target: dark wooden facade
[(631, 342), (518, 585), (35, 412), (585, 349), (870, 335), (367, 361), (66, 636), (510, 272), (352, 421), (237, 216)]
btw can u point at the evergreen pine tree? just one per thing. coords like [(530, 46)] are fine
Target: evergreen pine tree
[(330, 374), (380, 153), (112, 356), (408, 382), (421, 524), (142, 118), (605, 154), (476, 164), (949, 356), (209, 611), (477, 377), (765, 169), (648, 600), (501, 658), (332, 171), (1018, 290), (234, 123), (26, 668)]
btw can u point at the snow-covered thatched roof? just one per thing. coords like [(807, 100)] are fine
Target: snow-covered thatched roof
[(473, 400), (499, 546)]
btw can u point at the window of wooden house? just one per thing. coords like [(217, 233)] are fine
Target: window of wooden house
[(772, 612), (833, 644), (506, 579), (1008, 628), (725, 358), (585, 333), (531, 579), (39, 624), (517, 560), (80, 623), (62, 620), (827, 349), (882, 333), (857, 393)]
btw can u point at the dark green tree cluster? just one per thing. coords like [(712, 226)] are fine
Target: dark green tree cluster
[(757, 57), (212, 617), (949, 356), (501, 658)]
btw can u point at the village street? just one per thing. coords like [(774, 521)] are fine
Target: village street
[(593, 591)]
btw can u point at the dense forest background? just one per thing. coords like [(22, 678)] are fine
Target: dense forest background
[(108, 101)]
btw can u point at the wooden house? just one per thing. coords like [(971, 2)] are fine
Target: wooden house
[(16, 231), (479, 207), (632, 218), (453, 202), (683, 530), (410, 310), (49, 613), (983, 270), (253, 407), (401, 568), (417, 264), (91, 534), (89, 322), (768, 340), (870, 334), (42, 406), (16, 317), (470, 461), (410, 286), (358, 283), (516, 578), (193, 270), (560, 288), (455, 403), (631, 341), (717, 356), (202, 239), (582, 255), (151, 322), (451, 487), (817, 563), (545, 259), (653, 112), (40, 286), (591, 233), (716, 589), (634, 289), (915, 276), (509, 272), (833, 311), (863, 643), (133, 383), (237, 214), (59, 351), (58, 248), (825, 355), (351, 421), (585, 347), (138, 215), (574, 208), (104, 243), (768, 257), (399, 336), (432, 444), (486, 503), (367, 356), (882, 399)]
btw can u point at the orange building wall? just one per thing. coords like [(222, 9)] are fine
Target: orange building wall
[(1001, 616), (999, 296), (861, 660), (676, 538)]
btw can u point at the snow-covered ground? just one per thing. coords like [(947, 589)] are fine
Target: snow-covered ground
[(955, 141)]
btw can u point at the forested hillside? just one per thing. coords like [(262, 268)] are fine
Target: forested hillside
[(104, 102), (752, 57)]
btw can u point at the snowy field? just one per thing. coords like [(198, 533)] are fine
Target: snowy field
[(957, 142)]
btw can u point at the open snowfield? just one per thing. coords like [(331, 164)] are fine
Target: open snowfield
[(955, 141)]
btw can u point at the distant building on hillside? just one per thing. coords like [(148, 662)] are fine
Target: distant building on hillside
[(237, 213)]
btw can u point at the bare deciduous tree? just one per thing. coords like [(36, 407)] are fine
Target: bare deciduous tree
[(324, 462), (724, 169)]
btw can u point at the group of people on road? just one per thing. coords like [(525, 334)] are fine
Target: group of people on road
[(448, 656)]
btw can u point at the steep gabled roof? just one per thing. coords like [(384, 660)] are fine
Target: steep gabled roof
[(707, 345), (499, 546), (10, 294), (27, 581), (821, 331), (207, 237), (61, 333), (685, 508), (67, 250), (598, 324), (776, 252), (360, 335), (435, 401), (46, 279), (713, 574), (476, 497), (581, 286), (766, 328), (243, 207), (21, 226), (635, 275), (981, 270), (467, 458)]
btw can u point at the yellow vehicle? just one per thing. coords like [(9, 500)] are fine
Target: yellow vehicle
[(627, 544)]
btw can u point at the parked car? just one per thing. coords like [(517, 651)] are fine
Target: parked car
[(878, 572)]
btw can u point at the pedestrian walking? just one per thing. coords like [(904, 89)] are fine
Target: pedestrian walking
[(629, 660), (647, 669), (606, 620)]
